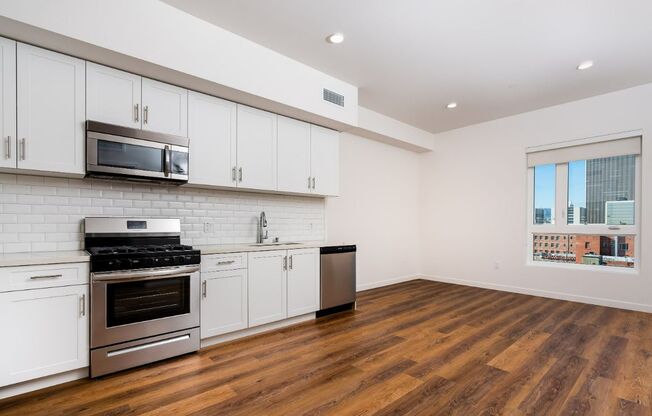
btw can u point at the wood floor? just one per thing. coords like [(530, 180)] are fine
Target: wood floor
[(417, 348)]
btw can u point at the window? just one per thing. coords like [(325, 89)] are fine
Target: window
[(544, 194), (585, 195)]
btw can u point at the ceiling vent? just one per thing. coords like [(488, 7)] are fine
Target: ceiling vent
[(333, 97)]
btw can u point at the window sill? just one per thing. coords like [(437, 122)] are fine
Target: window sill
[(585, 268)]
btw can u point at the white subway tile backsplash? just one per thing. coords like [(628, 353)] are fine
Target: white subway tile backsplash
[(44, 214)]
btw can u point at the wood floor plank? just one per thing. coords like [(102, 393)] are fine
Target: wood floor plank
[(414, 348)]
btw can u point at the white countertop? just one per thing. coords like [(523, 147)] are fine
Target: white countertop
[(43, 257), (80, 256), (240, 248)]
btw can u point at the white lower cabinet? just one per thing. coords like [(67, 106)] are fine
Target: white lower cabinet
[(45, 331), (267, 286), (303, 281), (262, 287), (224, 302)]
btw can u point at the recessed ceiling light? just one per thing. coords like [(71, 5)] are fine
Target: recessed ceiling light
[(585, 65), (335, 38), (452, 105)]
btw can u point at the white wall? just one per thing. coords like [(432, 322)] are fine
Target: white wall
[(45, 214), (474, 195), (377, 209)]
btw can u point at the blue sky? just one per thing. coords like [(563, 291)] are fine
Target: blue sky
[(577, 183), (544, 185)]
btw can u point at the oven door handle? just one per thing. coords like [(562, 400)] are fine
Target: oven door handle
[(144, 274)]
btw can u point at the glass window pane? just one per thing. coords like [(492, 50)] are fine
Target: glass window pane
[(601, 191), (597, 250), (544, 194)]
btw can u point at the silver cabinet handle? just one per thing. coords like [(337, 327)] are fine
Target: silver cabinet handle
[(22, 148), (285, 262), (203, 289), (291, 262), (46, 276), (146, 114), (313, 182), (166, 168), (136, 111), (222, 263), (240, 174), (234, 174), (8, 147), (82, 305)]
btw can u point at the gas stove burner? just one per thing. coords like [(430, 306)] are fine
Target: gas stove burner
[(114, 246)]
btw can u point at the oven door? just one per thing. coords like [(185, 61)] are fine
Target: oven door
[(130, 305), (117, 155)]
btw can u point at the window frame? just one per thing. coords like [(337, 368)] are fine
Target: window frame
[(560, 219)]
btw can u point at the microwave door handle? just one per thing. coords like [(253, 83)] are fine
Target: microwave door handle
[(166, 169)]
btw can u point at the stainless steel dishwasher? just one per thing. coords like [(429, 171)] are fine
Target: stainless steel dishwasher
[(337, 276)]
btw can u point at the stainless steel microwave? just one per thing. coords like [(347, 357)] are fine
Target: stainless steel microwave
[(116, 151)]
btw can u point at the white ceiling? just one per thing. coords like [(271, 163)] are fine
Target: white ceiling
[(495, 58)]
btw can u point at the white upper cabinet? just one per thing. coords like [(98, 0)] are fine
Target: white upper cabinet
[(293, 155), (45, 331), (51, 111), (267, 286), (165, 108), (303, 281), (257, 149), (212, 132), (113, 96), (8, 102), (325, 160)]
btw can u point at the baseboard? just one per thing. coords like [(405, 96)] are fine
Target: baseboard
[(43, 382), (219, 339), (387, 282), (545, 293)]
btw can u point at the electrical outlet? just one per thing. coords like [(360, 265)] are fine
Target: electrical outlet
[(496, 265), (208, 227)]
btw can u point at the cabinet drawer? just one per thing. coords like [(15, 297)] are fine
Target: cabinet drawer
[(229, 261), (35, 277)]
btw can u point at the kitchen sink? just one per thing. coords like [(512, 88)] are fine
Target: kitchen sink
[(280, 243)]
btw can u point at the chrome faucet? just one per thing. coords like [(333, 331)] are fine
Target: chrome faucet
[(262, 228)]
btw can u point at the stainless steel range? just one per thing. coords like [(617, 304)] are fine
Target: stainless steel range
[(144, 292)]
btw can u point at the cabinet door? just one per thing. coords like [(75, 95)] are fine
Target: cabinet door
[(112, 96), (256, 149), (51, 111), (45, 331), (165, 108), (224, 302), (267, 287), (325, 160), (8, 102), (293, 155), (212, 132), (303, 281)]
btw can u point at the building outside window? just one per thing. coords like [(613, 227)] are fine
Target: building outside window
[(585, 196)]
